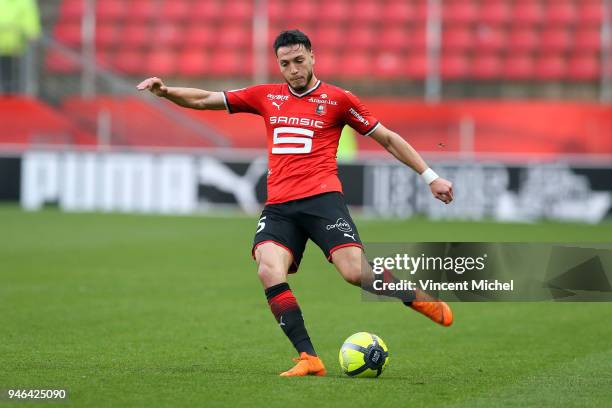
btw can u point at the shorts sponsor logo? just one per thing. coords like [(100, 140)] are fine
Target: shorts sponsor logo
[(341, 224)]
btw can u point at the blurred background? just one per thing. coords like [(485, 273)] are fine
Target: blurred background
[(510, 99)]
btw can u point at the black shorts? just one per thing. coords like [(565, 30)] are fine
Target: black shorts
[(323, 218)]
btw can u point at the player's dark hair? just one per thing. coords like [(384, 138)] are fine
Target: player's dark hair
[(291, 37)]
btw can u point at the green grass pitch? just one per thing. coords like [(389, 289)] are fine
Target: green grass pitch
[(168, 312)]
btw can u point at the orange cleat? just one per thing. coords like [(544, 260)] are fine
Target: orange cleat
[(435, 309), (306, 365)]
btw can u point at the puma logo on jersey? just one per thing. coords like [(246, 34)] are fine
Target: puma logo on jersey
[(278, 105), (350, 236)]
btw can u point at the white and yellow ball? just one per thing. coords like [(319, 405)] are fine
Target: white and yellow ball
[(364, 355)]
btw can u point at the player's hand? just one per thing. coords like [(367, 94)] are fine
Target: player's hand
[(442, 189), (155, 85)]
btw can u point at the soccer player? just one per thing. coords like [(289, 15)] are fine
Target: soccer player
[(304, 118)]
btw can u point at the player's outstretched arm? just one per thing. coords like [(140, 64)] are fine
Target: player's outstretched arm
[(187, 97), (441, 189)]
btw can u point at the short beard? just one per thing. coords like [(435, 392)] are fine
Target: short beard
[(302, 89)]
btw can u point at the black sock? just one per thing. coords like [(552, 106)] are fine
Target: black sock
[(287, 312)]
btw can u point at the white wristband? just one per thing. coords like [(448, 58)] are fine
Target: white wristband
[(429, 176)]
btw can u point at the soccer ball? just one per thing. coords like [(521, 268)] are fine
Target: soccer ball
[(363, 355)]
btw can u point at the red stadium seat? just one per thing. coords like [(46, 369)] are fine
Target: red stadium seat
[(486, 66), (388, 65), (132, 124), (528, 12), (337, 11), (457, 38), (131, 62), (523, 39), (110, 10), (555, 40), (550, 67), (329, 37), (590, 12), (30, 121), (142, 10), (561, 13), (307, 28), (167, 34), (199, 35), (459, 11), (397, 12), (57, 62), (230, 63), (245, 68), (393, 38), (193, 62), (584, 67), (494, 12), (454, 66), (416, 66), (106, 35), (417, 39), (68, 34), (276, 10), (518, 67), (206, 12), (358, 64), (490, 38), (361, 37), (234, 36), (327, 65), (587, 39), (71, 10), (421, 12), (301, 12), (104, 58), (161, 60), (365, 11), (176, 10), (136, 36), (237, 11)]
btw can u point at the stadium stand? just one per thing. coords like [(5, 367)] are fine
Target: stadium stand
[(509, 127), (30, 122), (484, 41), (479, 36), (133, 123)]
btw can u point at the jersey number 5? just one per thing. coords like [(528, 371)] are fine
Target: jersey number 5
[(305, 140)]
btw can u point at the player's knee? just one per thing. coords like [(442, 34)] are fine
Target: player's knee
[(353, 275), (350, 269), (267, 270), (349, 262)]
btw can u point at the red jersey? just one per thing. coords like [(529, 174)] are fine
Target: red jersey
[(303, 131)]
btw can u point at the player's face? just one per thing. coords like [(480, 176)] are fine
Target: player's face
[(296, 63)]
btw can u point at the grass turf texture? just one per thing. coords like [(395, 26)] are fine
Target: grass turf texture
[(167, 311)]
